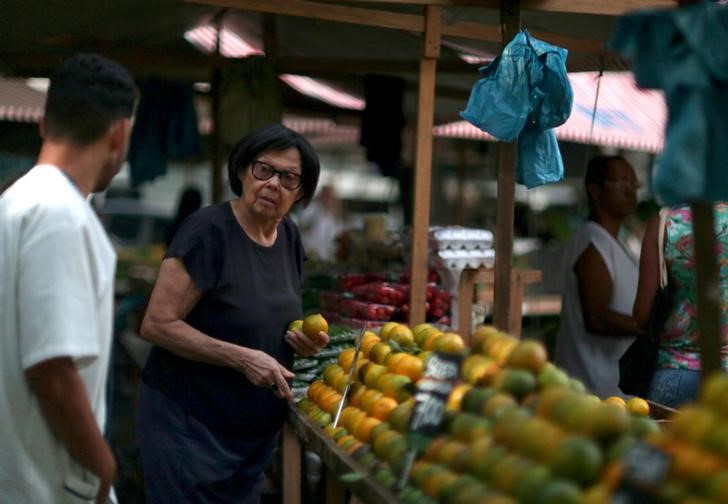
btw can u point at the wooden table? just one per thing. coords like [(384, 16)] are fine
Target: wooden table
[(471, 277), (301, 430)]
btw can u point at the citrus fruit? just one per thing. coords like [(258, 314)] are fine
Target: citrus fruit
[(372, 373), (402, 335), (382, 408), (346, 357), (379, 352), (530, 355), (409, 366), (384, 330), (368, 341), (516, 382), (617, 401), (364, 428), (638, 406), (313, 325), (577, 458), (332, 373), (448, 342), (296, 325)]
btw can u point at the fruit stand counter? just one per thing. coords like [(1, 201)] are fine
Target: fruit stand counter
[(300, 430)]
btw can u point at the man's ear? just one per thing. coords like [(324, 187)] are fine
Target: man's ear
[(119, 133)]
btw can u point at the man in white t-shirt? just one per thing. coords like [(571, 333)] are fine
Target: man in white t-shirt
[(56, 293), (601, 281)]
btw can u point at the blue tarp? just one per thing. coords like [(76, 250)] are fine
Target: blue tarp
[(685, 53)]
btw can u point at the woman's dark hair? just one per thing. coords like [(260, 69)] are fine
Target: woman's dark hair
[(87, 94), (596, 173), (275, 137)]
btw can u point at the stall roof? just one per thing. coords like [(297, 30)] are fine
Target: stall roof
[(148, 37), (625, 116)]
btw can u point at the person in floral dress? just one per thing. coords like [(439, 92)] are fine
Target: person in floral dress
[(677, 376)]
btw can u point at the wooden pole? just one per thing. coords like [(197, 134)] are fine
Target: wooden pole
[(423, 164), (502, 302), (707, 287), (215, 138)]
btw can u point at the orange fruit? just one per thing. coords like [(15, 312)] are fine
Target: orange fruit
[(528, 354), (638, 406), (429, 339), (409, 366), (617, 401), (379, 352), (314, 389), (355, 393), (382, 408), (352, 421), (392, 360), (341, 382), (369, 397), (384, 330), (364, 428), (456, 396), (448, 342), (393, 385), (296, 325), (332, 373), (481, 335), (400, 416), (313, 325), (372, 374), (402, 335), (368, 341), (346, 357)]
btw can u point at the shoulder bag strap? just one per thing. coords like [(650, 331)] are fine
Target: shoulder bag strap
[(661, 247)]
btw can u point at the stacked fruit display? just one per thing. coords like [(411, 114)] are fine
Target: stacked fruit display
[(517, 428)]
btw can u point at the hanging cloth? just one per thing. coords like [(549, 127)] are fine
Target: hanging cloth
[(525, 93), (684, 52), (249, 99), (165, 128)]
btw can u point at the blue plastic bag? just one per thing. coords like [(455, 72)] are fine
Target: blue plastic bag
[(524, 93)]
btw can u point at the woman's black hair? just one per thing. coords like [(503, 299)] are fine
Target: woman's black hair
[(274, 137)]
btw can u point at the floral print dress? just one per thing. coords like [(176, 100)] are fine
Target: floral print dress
[(679, 344)]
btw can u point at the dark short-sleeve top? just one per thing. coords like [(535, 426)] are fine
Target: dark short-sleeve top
[(250, 295)]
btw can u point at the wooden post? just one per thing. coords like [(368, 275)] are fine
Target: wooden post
[(423, 164), (215, 137), (291, 457), (503, 302), (707, 287), (335, 490)]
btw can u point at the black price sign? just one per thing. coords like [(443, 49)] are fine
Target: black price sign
[(443, 369), (645, 470)]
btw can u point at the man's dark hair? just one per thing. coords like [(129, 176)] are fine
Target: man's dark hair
[(596, 173), (87, 94), (275, 137)]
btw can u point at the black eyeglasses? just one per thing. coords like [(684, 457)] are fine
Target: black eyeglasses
[(288, 179)]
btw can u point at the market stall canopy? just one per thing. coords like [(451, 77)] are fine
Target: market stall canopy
[(148, 37), (626, 117)]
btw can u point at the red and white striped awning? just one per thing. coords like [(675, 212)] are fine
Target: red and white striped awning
[(626, 117), (19, 102)]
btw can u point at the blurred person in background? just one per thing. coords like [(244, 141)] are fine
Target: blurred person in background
[(600, 281), (189, 202), (677, 374), (321, 225), (215, 389), (57, 292)]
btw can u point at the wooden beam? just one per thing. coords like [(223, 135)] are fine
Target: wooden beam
[(395, 20), (505, 203), (598, 7), (291, 457), (423, 166), (707, 287), (328, 12)]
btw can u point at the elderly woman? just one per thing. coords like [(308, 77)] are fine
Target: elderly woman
[(215, 388)]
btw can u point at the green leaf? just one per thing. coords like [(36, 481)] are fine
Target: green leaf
[(352, 477)]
